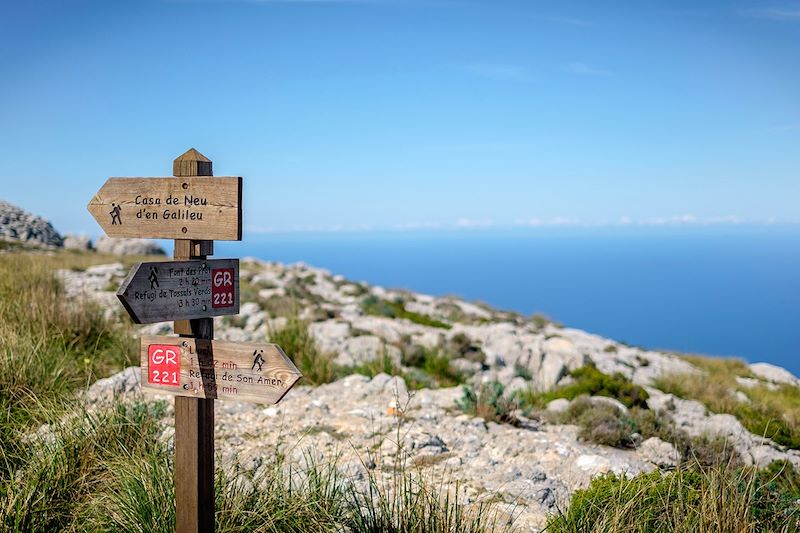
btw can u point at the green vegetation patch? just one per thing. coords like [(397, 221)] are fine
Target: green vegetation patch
[(773, 411), (489, 403), (372, 305), (588, 380), (297, 342), (429, 370), (50, 345), (687, 500), (434, 363)]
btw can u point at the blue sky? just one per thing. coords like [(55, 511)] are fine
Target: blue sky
[(381, 114)]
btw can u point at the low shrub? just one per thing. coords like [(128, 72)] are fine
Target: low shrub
[(383, 364), (434, 363), (599, 423), (489, 403), (461, 346)]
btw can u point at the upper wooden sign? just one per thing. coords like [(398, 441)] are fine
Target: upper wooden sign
[(198, 208), (181, 290), (222, 370)]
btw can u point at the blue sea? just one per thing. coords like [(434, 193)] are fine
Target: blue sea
[(732, 290)]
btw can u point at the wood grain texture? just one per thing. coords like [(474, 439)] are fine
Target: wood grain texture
[(158, 291), (194, 417), (188, 207), (192, 163), (239, 371)]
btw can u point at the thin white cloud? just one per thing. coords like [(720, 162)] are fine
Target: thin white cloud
[(673, 220), (474, 223), (774, 13), (498, 71), (467, 223), (408, 226), (582, 69), (536, 222)]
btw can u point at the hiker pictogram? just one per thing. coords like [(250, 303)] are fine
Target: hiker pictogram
[(257, 360), (153, 278), (115, 219)]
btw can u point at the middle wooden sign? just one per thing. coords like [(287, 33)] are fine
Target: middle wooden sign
[(181, 290)]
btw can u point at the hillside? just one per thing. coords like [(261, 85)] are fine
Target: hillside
[(527, 453), (522, 422)]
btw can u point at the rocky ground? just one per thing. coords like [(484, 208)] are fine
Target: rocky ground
[(524, 471)]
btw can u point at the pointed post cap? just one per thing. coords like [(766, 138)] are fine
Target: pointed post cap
[(191, 163)]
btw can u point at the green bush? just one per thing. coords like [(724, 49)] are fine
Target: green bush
[(434, 363), (599, 423)]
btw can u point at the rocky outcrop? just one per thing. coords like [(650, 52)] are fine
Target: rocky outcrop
[(774, 374), (527, 470), (128, 246), (16, 224)]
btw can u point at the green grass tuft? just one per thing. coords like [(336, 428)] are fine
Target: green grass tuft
[(298, 343), (489, 403), (684, 501), (372, 305)]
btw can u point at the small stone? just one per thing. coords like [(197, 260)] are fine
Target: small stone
[(546, 497), (660, 453), (559, 405)]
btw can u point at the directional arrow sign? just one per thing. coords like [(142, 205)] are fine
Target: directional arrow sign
[(170, 208), (183, 366), (180, 290)]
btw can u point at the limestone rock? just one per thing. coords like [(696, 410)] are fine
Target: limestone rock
[(559, 405), (774, 374), (16, 224), (81, 243), (660, 453)]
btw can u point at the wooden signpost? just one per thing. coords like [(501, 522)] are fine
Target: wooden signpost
[(194, 209), (170, 208), (181, 290), (216, 369)]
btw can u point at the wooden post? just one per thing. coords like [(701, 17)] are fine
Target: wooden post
[(194, 417)]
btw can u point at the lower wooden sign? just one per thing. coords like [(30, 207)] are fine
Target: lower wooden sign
[(184, 366)]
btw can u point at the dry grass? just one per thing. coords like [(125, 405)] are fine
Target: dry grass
[(772, 411)]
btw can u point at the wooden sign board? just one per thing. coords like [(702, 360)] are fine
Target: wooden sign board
[(181, 290), (183, 366), (170, 208)]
